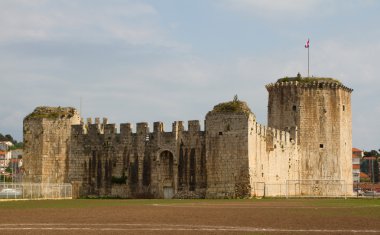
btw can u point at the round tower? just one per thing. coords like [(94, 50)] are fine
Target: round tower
[(317, 113)]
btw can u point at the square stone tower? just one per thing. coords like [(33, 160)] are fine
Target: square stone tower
[(227, 150), (47, 132)]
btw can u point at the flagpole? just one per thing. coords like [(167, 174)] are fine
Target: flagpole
[(307, 45), (308, 61)]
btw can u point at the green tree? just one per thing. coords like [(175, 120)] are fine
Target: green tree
[(371, 164), (376, 170), (364, 166), (8, 137), (372, 153)]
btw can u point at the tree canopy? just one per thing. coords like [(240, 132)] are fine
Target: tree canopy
[(367, 166), (372, 153), (8, 137)]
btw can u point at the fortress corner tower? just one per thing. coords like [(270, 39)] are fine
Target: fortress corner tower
[(47, 132), (227, 150), (317, 113)]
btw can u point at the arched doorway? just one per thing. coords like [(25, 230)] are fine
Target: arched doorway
[(167, 173)]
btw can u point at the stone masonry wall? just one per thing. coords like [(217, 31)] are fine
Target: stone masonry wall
[(227, 155), (142, 164), (47, 133), (33, 142), (322, 113), (273, 160), (244, 156)]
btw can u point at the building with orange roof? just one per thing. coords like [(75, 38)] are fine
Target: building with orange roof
[(357, 154)]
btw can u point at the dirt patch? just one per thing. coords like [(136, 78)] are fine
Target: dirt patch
[(193, 218)]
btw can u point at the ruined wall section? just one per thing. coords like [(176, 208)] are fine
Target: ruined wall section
[(273, 160), (322, 112), (135, 164), (47, 132)]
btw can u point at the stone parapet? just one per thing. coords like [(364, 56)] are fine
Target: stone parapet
[(308, 85)]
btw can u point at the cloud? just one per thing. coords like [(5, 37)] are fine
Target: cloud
[(290, 10), (95, 21), (283, 9), (273, 6)]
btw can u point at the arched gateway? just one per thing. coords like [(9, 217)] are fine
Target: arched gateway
[(167, 173)]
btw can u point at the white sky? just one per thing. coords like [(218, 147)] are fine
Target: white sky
[(167, 60)]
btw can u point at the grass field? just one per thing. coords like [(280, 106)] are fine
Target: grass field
[(281, 216)]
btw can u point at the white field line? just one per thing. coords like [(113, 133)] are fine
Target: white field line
[(164, 227), (241, 206)]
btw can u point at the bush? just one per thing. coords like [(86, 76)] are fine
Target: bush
[(234, 106), (308, 79)]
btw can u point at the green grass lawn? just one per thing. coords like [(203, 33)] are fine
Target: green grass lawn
[(91, 203)]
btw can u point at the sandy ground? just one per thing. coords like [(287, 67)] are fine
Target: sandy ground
[(193, 218)]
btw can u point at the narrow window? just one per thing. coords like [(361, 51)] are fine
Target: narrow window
[(294, 108), (344, 108), (220, 133), (321, 146)]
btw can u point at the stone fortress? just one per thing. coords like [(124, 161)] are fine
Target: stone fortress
[(304, 150)]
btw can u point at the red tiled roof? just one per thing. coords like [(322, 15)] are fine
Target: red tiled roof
[(363, 175), (356, 166), (356, 150)]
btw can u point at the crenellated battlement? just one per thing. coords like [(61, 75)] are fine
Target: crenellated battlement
[(310, 84), (277, 134), (126, 129)]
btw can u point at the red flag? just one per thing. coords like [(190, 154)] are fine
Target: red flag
[(307, 43)]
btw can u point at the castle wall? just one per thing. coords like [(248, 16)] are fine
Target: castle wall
[(141, 164), (273, 160), (244, 157)]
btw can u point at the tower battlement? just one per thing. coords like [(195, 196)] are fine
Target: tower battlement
[(311, 83)]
